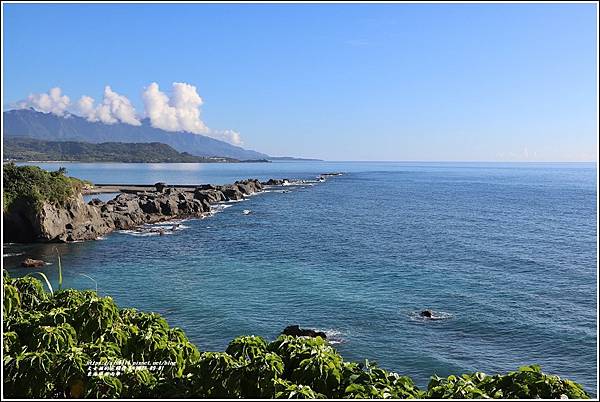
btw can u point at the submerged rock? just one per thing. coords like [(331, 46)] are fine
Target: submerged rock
[(31, 263), (295, 330)]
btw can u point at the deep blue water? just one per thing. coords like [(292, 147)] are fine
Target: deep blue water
[(506, 251)]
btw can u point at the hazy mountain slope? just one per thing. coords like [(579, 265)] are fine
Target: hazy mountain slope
[(29, 149), (49, 127)]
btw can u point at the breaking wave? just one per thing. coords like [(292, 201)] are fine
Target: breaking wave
[(435, 315), (11, 254)]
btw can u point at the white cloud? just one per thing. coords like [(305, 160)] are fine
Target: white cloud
[(51, 102), (85, 107), (180, 112), (113, 109), (231, 136)]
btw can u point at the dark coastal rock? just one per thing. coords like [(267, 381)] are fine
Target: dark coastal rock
[(232, 192), (150, 206), (205, 199), (199, 206), (31, 263), (249, 186), (168, 206), (295, 330), (212, 196), (426, 313), (107, 208), (206, 187), (75, 220), (275, 182)]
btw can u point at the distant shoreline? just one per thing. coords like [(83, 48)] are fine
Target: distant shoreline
[(86, 161), (34, 150), (334, 161)]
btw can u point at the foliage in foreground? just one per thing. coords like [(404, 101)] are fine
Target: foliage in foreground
[(49, 338), (36, 185)]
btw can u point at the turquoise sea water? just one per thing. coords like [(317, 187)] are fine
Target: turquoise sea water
[(506, 252)]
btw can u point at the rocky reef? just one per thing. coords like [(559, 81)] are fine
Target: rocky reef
[(75, 220), (295, 330)]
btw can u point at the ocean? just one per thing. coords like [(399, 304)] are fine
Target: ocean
[(505, 253)]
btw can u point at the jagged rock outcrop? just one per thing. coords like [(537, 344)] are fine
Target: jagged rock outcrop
[(248, 187), (232, 192), (75, 220), (295, 330), (275, 182)]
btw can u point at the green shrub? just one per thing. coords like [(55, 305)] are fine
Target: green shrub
[(10, 342), (104, 386), (71, 369), (370, 381), (247, 347), (217, 375), (49, 339), (322, 371), (53, 339), (31, 292), (527, 382), (12, 300), (285, 389), (95, 316), (293, 350), (259, 374), (37, 185), (29, 375)]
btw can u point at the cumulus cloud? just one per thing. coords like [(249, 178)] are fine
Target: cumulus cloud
[(177, 111), (52, 102), (85, 107), (231, 136), (180, 112), (113, 109)]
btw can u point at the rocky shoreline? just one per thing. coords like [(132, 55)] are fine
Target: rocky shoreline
[(76, 220)]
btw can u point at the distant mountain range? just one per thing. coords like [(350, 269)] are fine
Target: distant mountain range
[(29, 149), (49, 127)]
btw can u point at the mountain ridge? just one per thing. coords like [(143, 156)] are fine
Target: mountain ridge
[(22, 149), (50, 127)]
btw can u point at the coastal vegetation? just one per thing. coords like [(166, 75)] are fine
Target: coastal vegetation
[(34, 185), (70, 343), (30, 149)]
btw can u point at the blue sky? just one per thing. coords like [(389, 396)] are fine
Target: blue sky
[(338, 82)]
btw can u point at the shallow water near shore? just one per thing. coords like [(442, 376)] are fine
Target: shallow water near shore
[(505, 253)]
